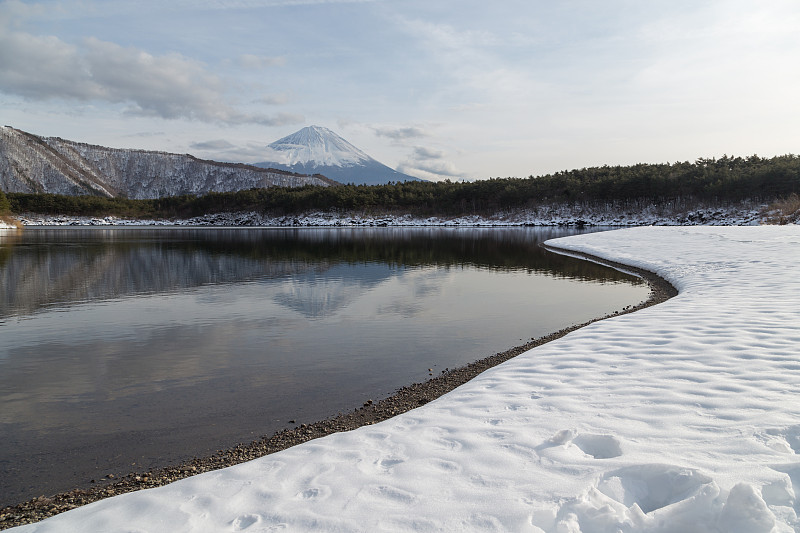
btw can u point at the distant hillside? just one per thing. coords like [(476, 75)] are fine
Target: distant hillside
[(32, 164), (318, 150)]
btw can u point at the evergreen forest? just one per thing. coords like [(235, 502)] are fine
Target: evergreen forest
[(710, 181)]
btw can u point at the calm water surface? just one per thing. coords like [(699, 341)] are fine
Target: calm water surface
[(128, 348)]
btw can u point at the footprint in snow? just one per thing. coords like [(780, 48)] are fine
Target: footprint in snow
[(560, 438), (652, 486), (314, 493), (648, 496), (598, 446), (245, 521), (387, 463), (784, 440)]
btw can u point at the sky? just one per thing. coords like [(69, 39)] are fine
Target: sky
[(438, 90)]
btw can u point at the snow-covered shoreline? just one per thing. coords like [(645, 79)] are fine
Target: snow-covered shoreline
[(559, 215), (680, 417)]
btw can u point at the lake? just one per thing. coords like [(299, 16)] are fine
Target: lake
[(123, 349)]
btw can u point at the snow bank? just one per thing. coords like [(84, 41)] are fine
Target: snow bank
[(556, 215), (681, 418)]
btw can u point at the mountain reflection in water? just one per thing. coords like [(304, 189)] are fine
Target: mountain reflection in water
[(97, 264)]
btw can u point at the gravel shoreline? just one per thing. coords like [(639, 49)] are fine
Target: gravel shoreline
[(405, 399)]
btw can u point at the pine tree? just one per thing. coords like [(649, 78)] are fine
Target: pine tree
[(5, 205)]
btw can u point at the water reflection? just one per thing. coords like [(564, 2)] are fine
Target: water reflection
[(62, 266), (146, 346)]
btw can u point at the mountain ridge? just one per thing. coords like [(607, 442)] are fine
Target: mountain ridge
[(33, 164)]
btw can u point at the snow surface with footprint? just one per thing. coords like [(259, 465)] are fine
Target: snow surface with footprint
[(683, 417)]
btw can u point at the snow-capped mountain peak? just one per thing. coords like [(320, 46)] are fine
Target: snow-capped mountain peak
[(318, 150), (315, 146)]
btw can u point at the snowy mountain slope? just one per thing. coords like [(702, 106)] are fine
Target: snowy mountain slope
[(318, 146), (318, 150), (29, 163)]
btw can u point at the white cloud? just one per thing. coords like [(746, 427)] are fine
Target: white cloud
[(219, 144), (446, 37), (273, 99), (168, 86), (425, 174), (441, 168), (237, 151), (475, 68), (735, 54), (12, 11), (250, 4), (399, 133), (430, 164), (421, 152), (145, 134), (251, 61), (41, 67)]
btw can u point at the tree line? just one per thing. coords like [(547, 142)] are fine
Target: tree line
[(713, 181)]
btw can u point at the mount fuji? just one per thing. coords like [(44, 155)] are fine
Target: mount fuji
[(318, 150)]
